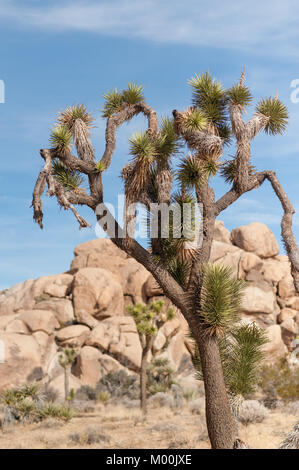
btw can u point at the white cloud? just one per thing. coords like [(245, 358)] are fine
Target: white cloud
[(269, 25)]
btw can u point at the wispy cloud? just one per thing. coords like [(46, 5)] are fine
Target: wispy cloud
[(271, 24)]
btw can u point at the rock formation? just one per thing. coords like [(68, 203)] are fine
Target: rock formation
[(84, 308)]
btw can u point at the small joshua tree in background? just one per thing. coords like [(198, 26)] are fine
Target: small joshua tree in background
[(149, 319), (66, 360), (240, 345)]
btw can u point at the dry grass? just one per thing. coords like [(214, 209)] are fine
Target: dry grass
[(116, 427)]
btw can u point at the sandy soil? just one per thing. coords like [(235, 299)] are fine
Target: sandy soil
[(116, 427)]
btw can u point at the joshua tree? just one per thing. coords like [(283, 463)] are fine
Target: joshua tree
[(149, 319), (210, 124), (66, 360)]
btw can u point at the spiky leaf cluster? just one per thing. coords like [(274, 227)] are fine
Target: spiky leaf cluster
[(100, 166), (277, 113), (149, 318), (209, 167), (221, 298), (167, 142), (114, 100), (210, 97), (142, 147), (181, 230), (68, 117), (61, 139), (180, 270), (241, 352), (189, 172), (241, 355), (71, 180), (133, 94), (229, 170), (239, 95), (67, 358)]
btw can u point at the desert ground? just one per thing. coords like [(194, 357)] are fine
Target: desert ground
[(117, 427)]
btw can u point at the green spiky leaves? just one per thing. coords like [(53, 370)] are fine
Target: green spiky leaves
[(195, 120), (133, 94), (61, 139), (68, 117), (149, 318), (114, 100), (239, 95), (277, 113), (67, 358), (167, 141), (221, 297), (210, 97), (229, 170), (100, 166), (71, 180), (189, 172), (242, 354), (142, 147)]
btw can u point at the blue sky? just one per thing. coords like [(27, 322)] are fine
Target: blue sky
[(54, 54)]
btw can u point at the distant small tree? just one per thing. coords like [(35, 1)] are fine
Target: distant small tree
[(66, 360), (149, 319)]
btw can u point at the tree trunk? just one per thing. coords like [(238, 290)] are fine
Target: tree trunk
[(143, 380), (66, 382), (219, 417)]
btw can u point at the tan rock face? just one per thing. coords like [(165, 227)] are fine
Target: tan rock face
[(61, 308), (118, 337), (286, 287), (289, 331), (39, 320), (72, 336), (57, 385), (22, 360), (97, 293), (275, 348), (17, 326), (256, 237), (286, 313), (151, 288), (221, 234), (258, 298), (88, 368)]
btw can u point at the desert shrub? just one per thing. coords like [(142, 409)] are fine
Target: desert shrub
[(119, 384), (103, 397), (86, 393), (159, 376), (28, 404), (280, 380), (61, 411), (89, 436), (292, 439), (252, 411), (189, 394), (160, 399)]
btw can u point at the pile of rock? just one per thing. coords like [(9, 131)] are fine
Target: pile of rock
[(85, 308)]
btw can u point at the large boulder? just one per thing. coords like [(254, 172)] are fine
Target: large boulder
[(62, 309), (39, 320), (72, 336), (22, 360), (275, 349), (96, 293), (118, 337), (221, 233), (256, 237), (258, 298), (25, 295)]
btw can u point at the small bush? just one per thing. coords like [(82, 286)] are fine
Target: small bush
[(189, 394), (159, 376), (64, 412), (103, 397), (119, 384), (89, 436), (280, 381), (161, 399), (292, 439), (251, 411)]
